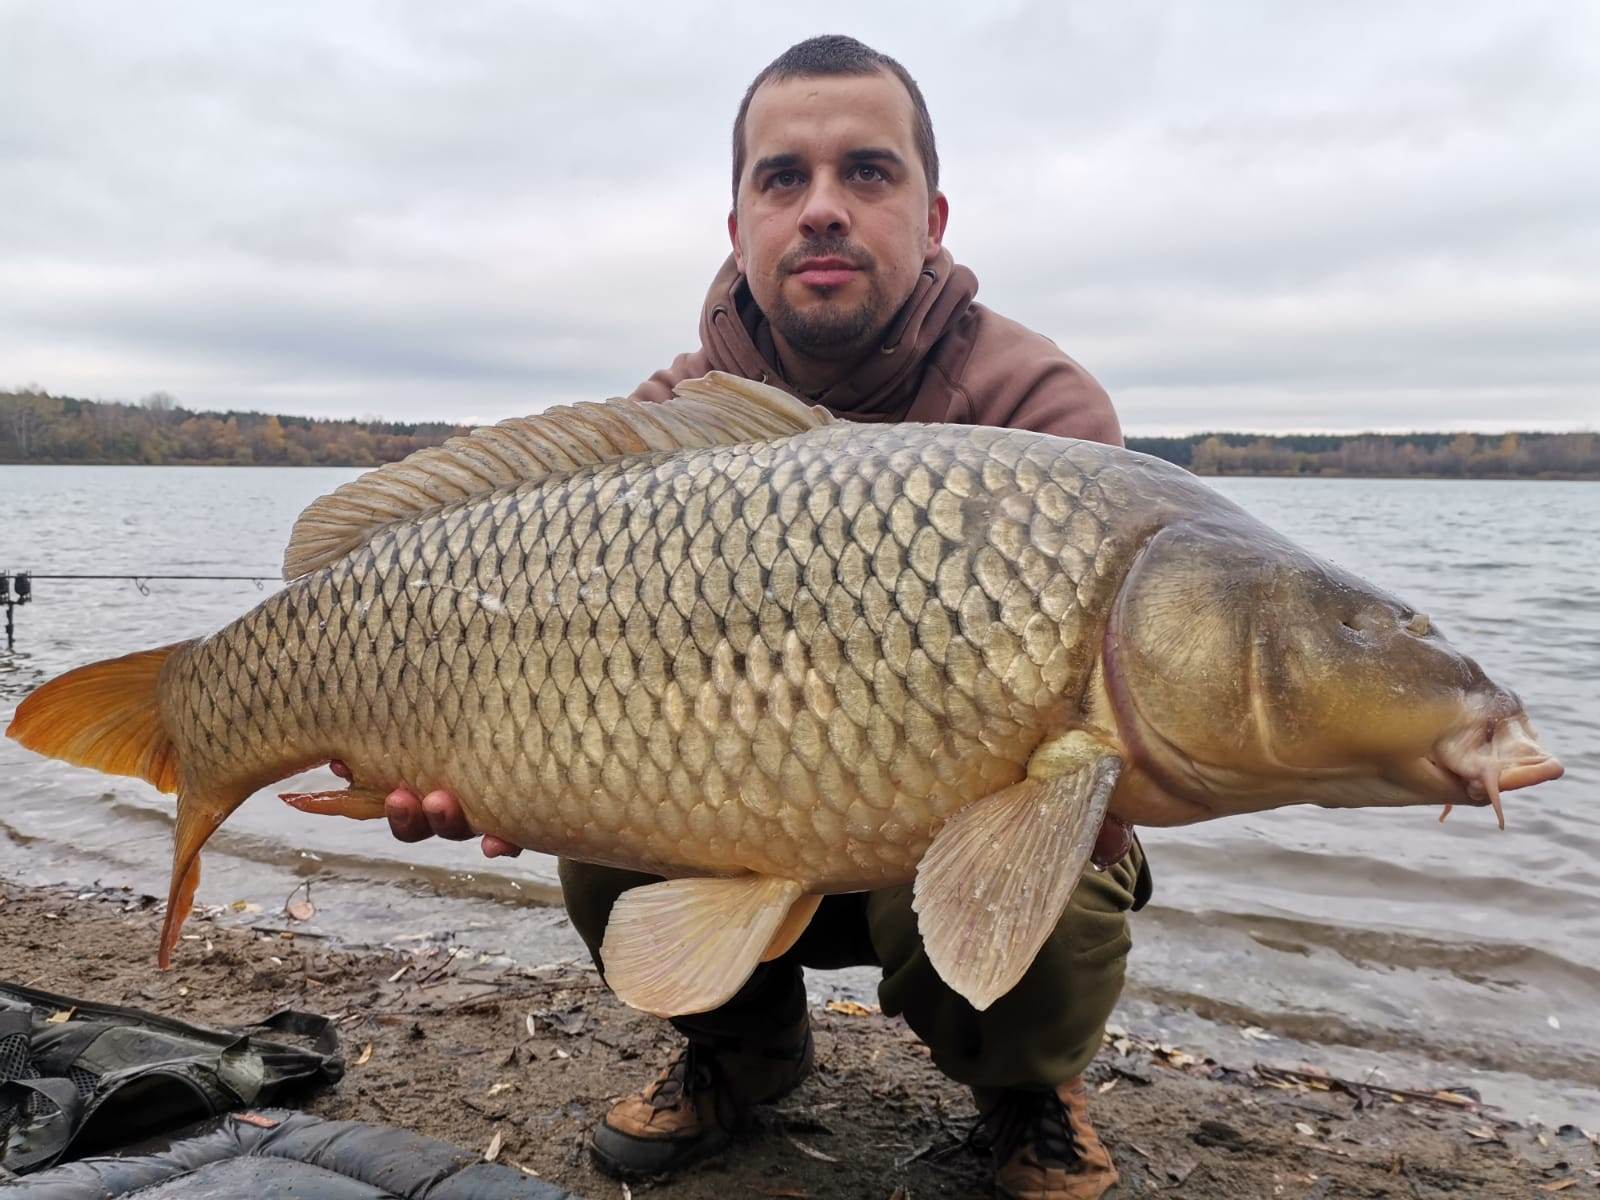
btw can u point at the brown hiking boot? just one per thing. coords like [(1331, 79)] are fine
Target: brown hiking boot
[(695, 1106), (1043, 1145)]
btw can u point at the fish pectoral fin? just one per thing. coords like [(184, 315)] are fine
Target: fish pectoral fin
[(994, 882), (359, 804), (687, 945)]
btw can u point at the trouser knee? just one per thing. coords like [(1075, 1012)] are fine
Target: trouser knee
[(1045, 1030)]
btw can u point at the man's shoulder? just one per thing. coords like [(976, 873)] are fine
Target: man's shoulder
[(1017, 377), (1001, 349)]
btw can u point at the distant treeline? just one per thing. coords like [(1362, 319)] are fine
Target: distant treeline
[(1436, 455), (36, 427)]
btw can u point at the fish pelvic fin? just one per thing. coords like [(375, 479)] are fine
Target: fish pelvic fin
[(687, 945), (106, 715), (994, 882), (799, 918), (714, 410)]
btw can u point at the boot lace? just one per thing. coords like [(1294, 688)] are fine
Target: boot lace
[(690, 1071), (1040, 1119)]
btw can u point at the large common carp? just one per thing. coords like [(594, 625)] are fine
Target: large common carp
[(771, 655)]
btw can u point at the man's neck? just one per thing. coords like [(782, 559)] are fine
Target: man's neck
[(811, 376)]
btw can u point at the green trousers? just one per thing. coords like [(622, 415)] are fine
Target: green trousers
[(1040, 1034)]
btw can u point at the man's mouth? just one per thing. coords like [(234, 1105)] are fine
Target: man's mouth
[(825, 272)]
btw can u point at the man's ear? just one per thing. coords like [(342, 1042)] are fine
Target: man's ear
[(733, 236), (938, 218)]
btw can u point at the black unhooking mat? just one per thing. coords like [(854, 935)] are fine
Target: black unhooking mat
[(77, 1077), (273, 1154)]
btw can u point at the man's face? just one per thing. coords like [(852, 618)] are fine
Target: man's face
[(833, 222)]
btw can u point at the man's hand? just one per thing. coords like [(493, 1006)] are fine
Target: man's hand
[(438, 814)]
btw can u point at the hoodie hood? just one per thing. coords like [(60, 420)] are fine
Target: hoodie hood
[(738, 339)]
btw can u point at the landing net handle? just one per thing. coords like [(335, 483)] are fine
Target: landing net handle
[(14, 590)]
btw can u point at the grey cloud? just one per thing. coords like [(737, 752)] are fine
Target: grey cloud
[(1246, 214)]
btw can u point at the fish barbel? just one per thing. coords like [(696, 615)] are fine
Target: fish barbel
[(771, 655)]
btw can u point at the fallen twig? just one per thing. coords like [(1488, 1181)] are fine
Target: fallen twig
[(1440, 1098)]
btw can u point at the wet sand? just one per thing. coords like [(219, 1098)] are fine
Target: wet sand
[(470, 1051)]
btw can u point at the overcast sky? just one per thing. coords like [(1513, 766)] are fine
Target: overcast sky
[(1235, 214)]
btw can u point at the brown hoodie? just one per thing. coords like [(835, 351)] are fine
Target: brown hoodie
[(943, 358)]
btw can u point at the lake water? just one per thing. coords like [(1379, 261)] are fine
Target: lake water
[(1381, 944)]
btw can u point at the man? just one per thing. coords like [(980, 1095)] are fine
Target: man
[(839, 288)]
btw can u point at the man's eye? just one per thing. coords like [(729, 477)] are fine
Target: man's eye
[(869, 173), (784, 179)]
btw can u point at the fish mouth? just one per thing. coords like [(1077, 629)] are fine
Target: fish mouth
[(1474, 766)]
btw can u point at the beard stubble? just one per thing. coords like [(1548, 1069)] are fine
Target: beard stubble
[(831, 329)]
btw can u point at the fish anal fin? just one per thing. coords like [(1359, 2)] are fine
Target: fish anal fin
[(359, 804), (994, 882), (687, 945), (715, 409)]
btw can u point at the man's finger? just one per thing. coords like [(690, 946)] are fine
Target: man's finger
[(494, 847), (1113, 844), (407, 821), (445, 817)]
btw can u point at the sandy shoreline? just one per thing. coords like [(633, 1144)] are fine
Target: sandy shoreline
[(463, 1050)]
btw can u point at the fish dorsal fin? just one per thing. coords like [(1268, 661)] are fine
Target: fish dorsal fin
[(713, 410)]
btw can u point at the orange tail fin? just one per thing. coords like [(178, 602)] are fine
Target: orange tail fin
[(107, 715)]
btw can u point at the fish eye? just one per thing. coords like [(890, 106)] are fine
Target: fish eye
[(1417, 623)]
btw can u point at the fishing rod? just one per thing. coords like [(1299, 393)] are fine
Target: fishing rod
[(16, 588)]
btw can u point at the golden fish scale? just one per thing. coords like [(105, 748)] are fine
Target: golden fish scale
[(793, 657)]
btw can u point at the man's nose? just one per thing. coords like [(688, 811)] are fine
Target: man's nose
[(825, 213)]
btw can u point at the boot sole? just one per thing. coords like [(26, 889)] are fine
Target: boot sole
[(695, 1153), (692, 1155), (1111, 1193)]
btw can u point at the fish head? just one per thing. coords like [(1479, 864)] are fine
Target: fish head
[(1247, 674)]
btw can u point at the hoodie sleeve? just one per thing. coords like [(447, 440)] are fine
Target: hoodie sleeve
[(1019, 379), (659, 386)]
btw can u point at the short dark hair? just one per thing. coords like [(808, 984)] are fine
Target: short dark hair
[(836, 54)]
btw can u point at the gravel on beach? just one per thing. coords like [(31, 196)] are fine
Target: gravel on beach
[(520, 1061)]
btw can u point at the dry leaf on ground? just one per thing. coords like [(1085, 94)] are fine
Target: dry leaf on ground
[(849, 1008), (811, 1151)]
